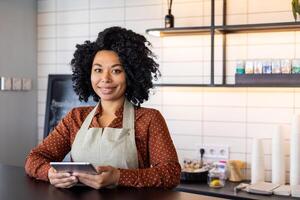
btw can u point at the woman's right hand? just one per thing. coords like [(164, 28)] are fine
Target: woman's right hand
[(61, 180)]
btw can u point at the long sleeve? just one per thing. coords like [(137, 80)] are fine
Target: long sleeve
[(164, 170), (53, 148)]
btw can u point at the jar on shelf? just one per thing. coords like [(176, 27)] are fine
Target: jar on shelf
[(296, 66), (217, 175)]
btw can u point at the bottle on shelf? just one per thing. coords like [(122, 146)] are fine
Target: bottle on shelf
[(169, 18)]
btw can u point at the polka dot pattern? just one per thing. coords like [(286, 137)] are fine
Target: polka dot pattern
[(158, 162)]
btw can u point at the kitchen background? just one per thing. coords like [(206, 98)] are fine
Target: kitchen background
[(195, 115)]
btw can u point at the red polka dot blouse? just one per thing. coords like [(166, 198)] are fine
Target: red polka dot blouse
[(158, 162)]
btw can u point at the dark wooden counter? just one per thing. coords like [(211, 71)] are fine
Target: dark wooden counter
[(15, 185), (226, 192)]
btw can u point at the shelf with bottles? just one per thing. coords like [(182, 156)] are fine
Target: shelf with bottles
[(226, 29), (272, 73)]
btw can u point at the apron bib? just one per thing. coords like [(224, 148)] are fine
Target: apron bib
[(107, 146)]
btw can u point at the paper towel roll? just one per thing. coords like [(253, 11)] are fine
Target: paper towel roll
[(257, 161), (295, 151), (278, 156)]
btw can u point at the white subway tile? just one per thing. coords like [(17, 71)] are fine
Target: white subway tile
[(236, 19), (74, 17), (107, 15), (46, 31), (141, 26), (187, 154), (41, 120), (64, 57), (41, 108), (180, 96), (269, 115), (66, 5), (100, 26), (182, 112), (143, 12), (182, 80), (237, 145), (182, 69), (297, 99), (69, 44), (269, 98), (271, 38), (262, 130), (189, 21), (237, 52), (107, 3), (225, 97), (236, 7), (186, 141), (222, 129), (272, 17), (224, 114), (141, 3), (64, 69), (271, 51), (184, 127), (191, 9), (46, 19), (42, 94), (46, 58), (257, 6), (42, 83), (176, 54), (74, 30), (44, 70), (46, 44), (183, 41)]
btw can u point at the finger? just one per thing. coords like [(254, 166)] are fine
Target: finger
[(65, 185), (101, 169), (90, 183), (59, 175), (72, 179), (85, 176)]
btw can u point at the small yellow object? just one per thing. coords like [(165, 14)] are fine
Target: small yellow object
[(215, 183)]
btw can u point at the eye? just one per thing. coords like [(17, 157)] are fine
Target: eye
[(116, 71), (98, 70)]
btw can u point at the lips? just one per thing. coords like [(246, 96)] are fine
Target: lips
[(107, 90)]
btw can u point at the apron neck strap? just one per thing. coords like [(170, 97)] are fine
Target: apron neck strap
[(128, 116)]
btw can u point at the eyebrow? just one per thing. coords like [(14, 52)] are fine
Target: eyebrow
[(114, 65)]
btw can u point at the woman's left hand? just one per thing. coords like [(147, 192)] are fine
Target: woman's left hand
[(107, 175)]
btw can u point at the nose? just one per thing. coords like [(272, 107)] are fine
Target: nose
[(105, 78)]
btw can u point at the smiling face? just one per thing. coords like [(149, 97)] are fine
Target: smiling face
[(108, 77)]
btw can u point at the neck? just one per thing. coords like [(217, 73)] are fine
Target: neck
[(110, 107)]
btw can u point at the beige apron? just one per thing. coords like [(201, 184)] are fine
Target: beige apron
[(107, 146)]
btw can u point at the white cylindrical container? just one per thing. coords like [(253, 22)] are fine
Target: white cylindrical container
[(257, 161), (295, 151), (278, 156)]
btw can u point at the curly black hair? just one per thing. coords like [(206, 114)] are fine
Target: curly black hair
[(134, 54)]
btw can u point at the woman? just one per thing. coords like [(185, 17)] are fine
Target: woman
[(130, 145)]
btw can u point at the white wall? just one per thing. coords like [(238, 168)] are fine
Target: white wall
[(230, 116), (18, 110)]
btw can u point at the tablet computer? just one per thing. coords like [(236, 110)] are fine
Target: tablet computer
[(70, 167)]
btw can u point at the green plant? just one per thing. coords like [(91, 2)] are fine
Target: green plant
[(295, 8)]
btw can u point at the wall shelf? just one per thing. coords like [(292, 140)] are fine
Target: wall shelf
[(224, 29), (264, 27), (237, 28), (162, 32)]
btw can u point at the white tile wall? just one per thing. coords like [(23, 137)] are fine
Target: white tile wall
[(231, 116)]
